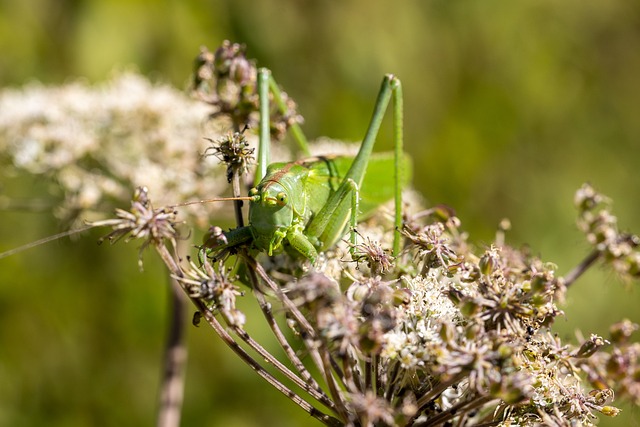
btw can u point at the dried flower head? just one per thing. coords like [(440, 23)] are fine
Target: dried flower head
[(233, 150), (227, 81), (215, 288), (595, 219), (377, 258), (153, 226)]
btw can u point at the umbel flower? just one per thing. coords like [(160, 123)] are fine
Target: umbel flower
[(450, 333), (445, 333), (97, 144)]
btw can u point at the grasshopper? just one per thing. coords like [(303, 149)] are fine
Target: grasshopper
[(305, 206)]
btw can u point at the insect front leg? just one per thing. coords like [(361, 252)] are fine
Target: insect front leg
[(216, 240), (301, 244)]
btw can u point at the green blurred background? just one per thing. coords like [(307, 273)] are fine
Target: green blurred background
[(510, 106)]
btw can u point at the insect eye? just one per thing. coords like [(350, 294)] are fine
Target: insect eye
[(281, 198)]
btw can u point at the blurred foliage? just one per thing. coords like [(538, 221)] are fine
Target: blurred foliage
[(509, 107)]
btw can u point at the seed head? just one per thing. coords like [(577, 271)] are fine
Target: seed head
[(144, 222)]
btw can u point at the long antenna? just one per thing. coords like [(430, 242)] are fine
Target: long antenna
[(216, 199), (44, 240)]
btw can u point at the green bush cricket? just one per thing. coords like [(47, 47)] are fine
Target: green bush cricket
[(304, 206)]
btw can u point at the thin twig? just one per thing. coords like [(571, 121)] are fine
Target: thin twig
[(319, 354), (259, 369), (307, 332), (318, 394), (236, 187), (269, 358), (335, 392), (289, 305), (426, 398), (172, 383), (574, 274), (392, 384), (172, 387), (237, 204), (456, 411), (376, 374)]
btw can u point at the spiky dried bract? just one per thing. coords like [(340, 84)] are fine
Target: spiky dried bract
[(233, 150), (144, 222)]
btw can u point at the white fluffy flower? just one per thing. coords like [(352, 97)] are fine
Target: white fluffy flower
[(100, 142)]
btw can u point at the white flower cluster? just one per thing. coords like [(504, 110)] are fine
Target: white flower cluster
[(416, 338), (100, 142)]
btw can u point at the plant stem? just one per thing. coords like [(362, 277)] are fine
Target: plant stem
[(573, 275), (237, 204), (253, 364), (456, 411), (426, 398), (311, 386), (175, 359)]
